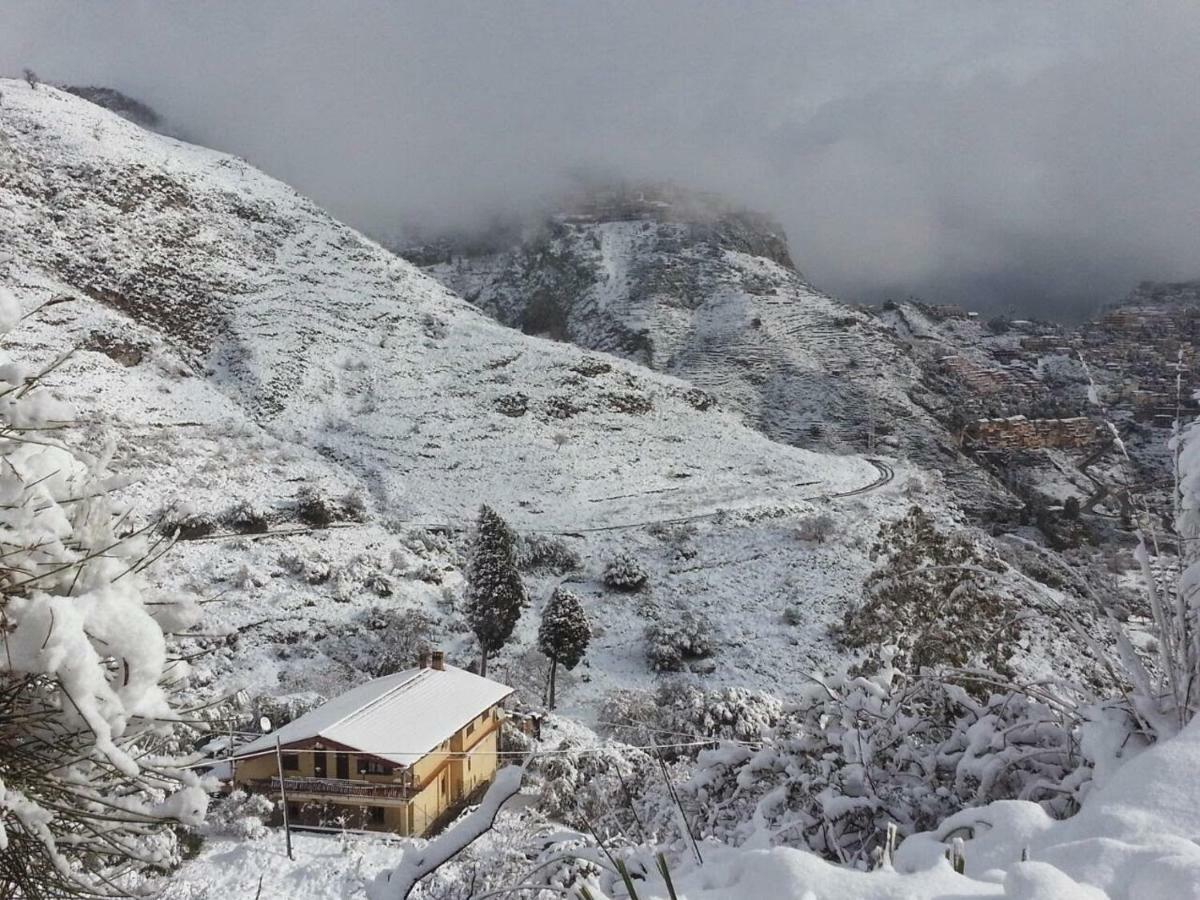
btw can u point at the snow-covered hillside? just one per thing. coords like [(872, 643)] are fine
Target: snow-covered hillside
[(246, 344), (693, 287)]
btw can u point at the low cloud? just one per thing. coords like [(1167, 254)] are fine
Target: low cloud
[(1026, 156)]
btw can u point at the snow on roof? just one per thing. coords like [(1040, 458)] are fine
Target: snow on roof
[(399, 717)]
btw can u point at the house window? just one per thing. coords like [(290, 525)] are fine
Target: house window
[(470, 727), (291, 762)]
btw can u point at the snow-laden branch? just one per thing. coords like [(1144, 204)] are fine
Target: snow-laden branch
[(415, 864)]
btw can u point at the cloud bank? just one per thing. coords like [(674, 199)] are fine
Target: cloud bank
[(1027, 156)]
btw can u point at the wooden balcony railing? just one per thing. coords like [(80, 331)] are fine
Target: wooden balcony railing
[(333, 787)]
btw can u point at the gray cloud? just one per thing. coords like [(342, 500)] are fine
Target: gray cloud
[(1023, 155)]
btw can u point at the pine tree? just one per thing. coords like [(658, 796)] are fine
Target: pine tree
[(564, 633), (495, 594)]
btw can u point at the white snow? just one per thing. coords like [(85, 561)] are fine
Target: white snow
[(400, 717)]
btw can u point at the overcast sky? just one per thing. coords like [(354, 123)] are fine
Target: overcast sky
[(1034, 156)]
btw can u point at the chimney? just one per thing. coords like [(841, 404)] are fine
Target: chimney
[(439, 660), (424, 661)]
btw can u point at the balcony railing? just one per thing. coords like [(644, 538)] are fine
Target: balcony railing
[(334, 787)]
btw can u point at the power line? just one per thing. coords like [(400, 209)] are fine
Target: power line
[(502, 754)]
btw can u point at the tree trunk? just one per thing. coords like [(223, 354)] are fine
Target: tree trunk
[(482, 663), (553, 673)]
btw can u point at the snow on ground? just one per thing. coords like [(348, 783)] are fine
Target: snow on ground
[(1135, 838)]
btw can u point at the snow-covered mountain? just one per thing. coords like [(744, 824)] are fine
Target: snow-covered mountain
[(238, 343), (692, 286)]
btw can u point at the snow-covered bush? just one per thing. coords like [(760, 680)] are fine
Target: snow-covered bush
[(815, 529), (684, 636), (677, 535), (245, 518), (633, 403), (241, 815), (544, 552), (313, 507), (186, 523), (698, 399), (87, 784), (314, 569), (795, 614), (933, 602), (1165, 683), (680, 711), (383, 640), (354, 507), (624, 573), (513, 405), (560, 406), (598, 788), (854, 754)]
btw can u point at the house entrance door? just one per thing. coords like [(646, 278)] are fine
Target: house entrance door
[(343, 765), (319, 764)]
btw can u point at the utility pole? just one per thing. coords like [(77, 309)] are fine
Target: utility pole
[(287, 828)]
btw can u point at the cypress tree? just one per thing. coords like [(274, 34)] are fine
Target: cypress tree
[(495, 593), (564, 633)]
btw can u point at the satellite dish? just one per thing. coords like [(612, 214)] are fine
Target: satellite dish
[(265, 724)]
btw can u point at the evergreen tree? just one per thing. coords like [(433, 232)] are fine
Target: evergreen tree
[(495, 594), (564, 633)]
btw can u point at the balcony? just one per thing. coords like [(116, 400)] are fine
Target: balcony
[(331, 788)]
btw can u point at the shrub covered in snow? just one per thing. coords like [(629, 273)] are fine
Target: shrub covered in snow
[(683, 636), (933, 602), (87, 783), (188, 524), (681, 711), (513, 405), (241, 815), (314, 569), (699, 399), (313, 507), (816, 529), (246, 518), (855, 754), (548, 553), (633, 403), (601, 788), (624, 573), (383, 640)]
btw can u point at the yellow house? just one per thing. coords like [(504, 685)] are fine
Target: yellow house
[(395, 754)]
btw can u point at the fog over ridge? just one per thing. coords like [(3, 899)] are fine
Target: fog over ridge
[(1023, 156)]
